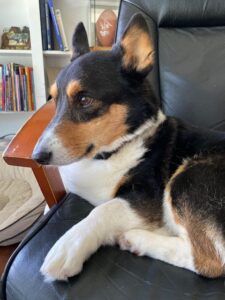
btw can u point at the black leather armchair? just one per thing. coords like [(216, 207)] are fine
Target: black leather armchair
[(189, 80)]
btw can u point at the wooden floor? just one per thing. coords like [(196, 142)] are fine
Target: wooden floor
[(5, 253)]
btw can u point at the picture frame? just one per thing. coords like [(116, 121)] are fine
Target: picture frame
[(16, 38)]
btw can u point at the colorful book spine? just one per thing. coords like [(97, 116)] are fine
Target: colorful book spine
[(8, 88), (29, 93), (33, 91), (55, 24), (22, 88), (16, 88), (43, 24), (5, 86), (61, 29), (48, 27), (13, 87), (25, 91), (30, 70), (1, 87)]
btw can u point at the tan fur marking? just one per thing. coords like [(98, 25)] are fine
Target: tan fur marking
[(53, 90), (73, 88), (178, 171), (101, 131), (138, 49), (176, 217), (206, 259), (168, 187)]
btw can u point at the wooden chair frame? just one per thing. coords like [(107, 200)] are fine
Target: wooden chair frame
[(19, 153)]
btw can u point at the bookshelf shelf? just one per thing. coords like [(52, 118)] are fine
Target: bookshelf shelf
[(17, 112), (69, 53), (15, 52), (57, 53)]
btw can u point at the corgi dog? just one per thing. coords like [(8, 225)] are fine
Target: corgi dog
[(157, 184)]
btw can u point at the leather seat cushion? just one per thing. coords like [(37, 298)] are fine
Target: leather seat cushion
[(109, 274)]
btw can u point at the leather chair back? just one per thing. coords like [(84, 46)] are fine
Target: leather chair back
[(189, 72)]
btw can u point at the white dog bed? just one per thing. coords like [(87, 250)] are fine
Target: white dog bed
[(21, 201)]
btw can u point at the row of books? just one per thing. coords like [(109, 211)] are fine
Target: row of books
[(16, 88), (52, 26)]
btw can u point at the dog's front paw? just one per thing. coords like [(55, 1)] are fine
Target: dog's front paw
[(131, 241), (66, 257)]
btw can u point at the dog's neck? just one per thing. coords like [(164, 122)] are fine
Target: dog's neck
[(146, 130), (95, 179)]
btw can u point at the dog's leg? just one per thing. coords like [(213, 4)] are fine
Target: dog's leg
[(102, 226), (171, 249)]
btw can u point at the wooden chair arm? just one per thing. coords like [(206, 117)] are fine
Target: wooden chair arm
[(19, 153)]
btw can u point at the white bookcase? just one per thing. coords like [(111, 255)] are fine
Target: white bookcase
[(46, 64)]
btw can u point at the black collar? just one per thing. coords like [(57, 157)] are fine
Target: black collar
[(105, 155)]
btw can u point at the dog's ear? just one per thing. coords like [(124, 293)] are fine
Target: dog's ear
[(79, 41), (137, 46)]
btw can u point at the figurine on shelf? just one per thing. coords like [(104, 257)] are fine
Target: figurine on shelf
[(16, 38)]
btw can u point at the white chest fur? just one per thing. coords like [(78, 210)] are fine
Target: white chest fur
[(95, 180)]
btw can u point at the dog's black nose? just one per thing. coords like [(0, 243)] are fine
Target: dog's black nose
[(42, 157)]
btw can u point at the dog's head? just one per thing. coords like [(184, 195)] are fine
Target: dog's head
[(102, 98)]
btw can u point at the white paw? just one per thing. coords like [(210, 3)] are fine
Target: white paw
[(66, 257), (132, 242)]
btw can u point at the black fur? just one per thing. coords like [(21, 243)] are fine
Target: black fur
[(199, 188), (108, 89), (80, 42), (168, 148), (103, 78)]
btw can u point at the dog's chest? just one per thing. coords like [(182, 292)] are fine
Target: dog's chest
[(96, 180)]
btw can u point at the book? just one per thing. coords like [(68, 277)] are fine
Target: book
[(23, 87), (5, 87), (1, 87), (25, 99), (61, 29), (43, 25), (48, 27), (32, 89), (8, 90), (17, 88), (13, 87), (30, 70), (55, 24), (29, 92)]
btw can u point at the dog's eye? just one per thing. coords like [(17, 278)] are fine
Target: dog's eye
[(86, 101)]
